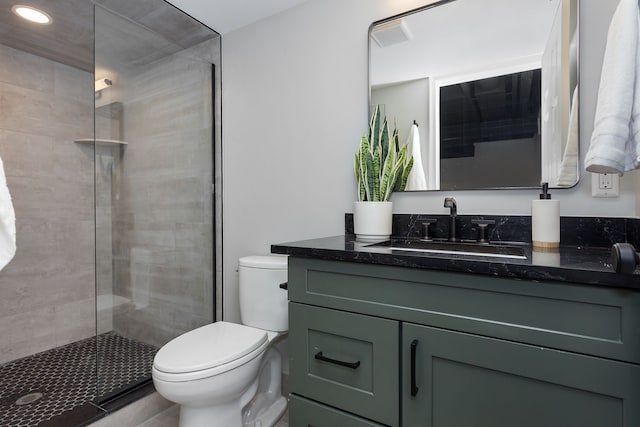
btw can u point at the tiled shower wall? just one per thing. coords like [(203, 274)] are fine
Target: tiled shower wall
[(47, 290), (163, 256)]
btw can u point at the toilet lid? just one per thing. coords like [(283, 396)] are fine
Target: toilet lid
[(207, 347)]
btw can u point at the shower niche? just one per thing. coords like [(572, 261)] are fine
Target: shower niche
[(108, 126), (108, 139)]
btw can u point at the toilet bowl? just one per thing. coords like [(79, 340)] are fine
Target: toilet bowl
[(228, 374)]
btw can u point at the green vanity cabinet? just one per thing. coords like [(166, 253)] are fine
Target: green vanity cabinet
[(307, 413), (465, 380), (346, 360), (450, 349)]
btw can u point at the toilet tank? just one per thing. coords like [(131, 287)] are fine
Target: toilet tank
[(263, 304)]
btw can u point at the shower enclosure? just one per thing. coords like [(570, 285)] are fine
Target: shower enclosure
[(108, 137)]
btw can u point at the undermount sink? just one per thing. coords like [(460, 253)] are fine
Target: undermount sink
[(455, 248)]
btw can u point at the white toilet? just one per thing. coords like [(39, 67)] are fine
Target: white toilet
[(229, 375)]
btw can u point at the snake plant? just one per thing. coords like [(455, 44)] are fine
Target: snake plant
[(381, 165)]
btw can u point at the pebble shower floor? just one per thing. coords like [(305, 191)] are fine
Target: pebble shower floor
[(66, 377)]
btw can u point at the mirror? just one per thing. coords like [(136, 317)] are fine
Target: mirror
[(484, 92)]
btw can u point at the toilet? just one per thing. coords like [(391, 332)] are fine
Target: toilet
[(226, 374)]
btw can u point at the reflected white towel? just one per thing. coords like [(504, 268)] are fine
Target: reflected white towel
[(417, 180), (615, 142), (569, 166), (7, 222)]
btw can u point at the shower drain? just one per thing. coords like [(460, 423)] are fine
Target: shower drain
[(29, 398)]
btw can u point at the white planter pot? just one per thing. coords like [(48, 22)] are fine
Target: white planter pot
[(372, 220)]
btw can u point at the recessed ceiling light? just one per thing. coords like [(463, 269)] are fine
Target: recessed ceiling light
[(31, 14)]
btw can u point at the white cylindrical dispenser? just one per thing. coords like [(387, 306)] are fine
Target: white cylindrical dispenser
[(545, 220)]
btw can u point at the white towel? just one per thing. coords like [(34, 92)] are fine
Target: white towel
[(569, 167), (416, 181), (615, 142), (7, 222)]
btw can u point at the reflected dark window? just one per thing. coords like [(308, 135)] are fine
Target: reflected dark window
[(498, 108)]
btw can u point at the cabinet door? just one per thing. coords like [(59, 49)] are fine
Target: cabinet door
[(464, 380), (346, 360), (307, 413)]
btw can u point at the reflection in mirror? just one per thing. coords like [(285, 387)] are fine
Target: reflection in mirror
[(484, 92)]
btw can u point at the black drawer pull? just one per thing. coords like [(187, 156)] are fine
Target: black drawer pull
[(351, 365), (414, 386), (284, 285)]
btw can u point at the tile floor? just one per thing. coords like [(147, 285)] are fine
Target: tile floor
[(53, 383), (48, 388)]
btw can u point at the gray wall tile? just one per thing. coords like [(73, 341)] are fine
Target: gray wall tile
[(47, 290), (163, 221)]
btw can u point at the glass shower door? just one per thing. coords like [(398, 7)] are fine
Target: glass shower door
[(154, 126)]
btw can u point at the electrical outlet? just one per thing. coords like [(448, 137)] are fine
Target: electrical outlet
[(604, 181), (605, 185)]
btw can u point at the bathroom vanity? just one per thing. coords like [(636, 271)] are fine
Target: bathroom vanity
[(381, 337)]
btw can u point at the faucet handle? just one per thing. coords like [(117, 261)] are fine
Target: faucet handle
[(425, 227), (483, 225)]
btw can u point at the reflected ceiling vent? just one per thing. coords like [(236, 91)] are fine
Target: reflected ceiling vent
[(390, 33)]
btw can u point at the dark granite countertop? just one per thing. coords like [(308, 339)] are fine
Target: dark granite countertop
[(577, 264)]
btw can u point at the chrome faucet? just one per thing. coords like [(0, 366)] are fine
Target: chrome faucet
[(450, 202)]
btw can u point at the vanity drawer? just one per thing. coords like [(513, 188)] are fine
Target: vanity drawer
[(599, 321), (307, 413), (335, 357)]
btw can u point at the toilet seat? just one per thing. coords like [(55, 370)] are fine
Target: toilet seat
[(209, 350)]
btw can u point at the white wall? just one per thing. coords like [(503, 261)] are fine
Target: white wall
[(403, 103), (295, 105)]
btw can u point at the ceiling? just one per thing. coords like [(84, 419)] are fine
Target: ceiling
[(157, 28), (69, 38), (465, 35), (225, 16)]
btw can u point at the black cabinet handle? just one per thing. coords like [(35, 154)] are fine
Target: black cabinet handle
[(284, 285), (351, 365), (414, 386)]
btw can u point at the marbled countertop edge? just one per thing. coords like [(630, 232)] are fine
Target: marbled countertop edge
[(575, 264)]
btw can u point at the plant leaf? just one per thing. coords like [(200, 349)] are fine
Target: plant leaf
[(376, 174), (374, 125), (362, 156), (381, 164), (356, 171), (383, 139), (393, 178), (406, 165), (370, 173), (386, 179), (395, 139), (405, 174)]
